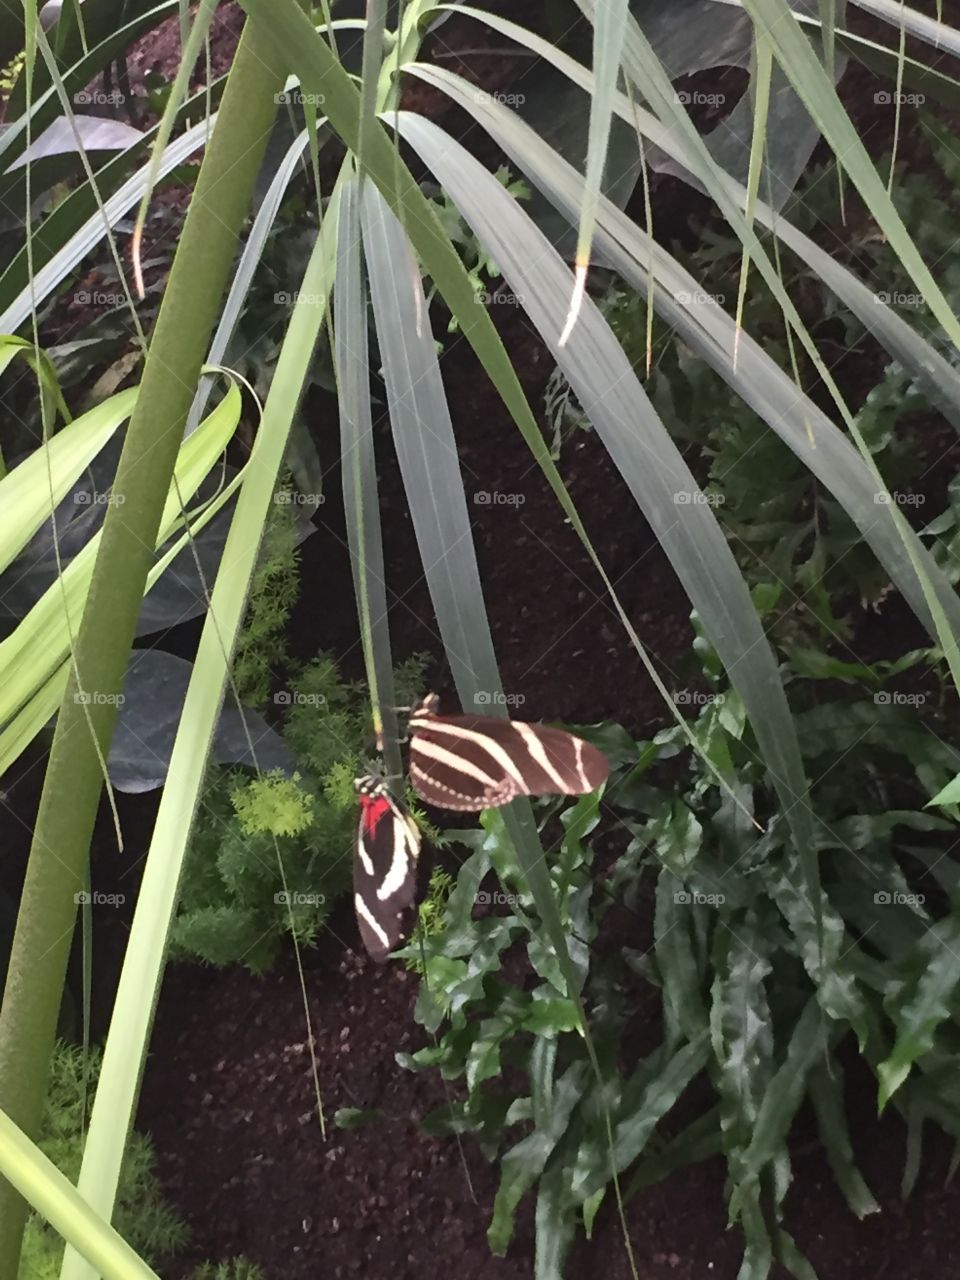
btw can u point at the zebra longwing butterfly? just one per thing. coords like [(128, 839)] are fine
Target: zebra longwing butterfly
[(478, 762), (387, 869)]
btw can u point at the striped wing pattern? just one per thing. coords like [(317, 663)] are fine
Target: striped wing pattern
[(385, 869), (478, 762)]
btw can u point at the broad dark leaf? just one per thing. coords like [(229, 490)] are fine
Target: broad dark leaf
[(154, 692)]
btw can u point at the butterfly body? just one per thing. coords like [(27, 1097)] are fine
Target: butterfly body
[(385, 869)]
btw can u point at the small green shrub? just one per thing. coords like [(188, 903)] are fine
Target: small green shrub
[(236, 905), (235, 1269), (142, 1216), (261, 649)]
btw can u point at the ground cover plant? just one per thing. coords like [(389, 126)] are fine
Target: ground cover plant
[(775, 841)]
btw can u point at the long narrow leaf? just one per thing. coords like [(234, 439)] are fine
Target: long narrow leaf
[(659, 479), (143, 964), (712, 333), (359, 465), (54, 1197)]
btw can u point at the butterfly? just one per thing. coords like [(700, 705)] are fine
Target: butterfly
[(456, 762), (387, 871)]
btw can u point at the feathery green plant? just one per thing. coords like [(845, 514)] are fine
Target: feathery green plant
[(143, 1217), (234, 906)]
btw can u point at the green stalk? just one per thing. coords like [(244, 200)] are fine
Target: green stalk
[(58, 856)]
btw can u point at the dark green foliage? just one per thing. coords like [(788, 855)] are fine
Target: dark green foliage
[(792, 535), (751, 998), (142, 1217), (261, 650), (235, 1269), (270, 855)]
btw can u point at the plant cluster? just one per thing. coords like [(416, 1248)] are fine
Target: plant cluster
[(270, 854), (759, 984), (794, 536), (143, 1217)]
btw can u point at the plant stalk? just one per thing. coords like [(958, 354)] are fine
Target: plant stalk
[(57, 867)]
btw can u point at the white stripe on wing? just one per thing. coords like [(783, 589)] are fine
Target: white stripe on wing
[(364, 913)]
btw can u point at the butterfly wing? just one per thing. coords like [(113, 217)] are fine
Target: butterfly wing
[(386, 870), (478, 762)]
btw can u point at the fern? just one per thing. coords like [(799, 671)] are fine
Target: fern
[(273, 803), (142, 1216)]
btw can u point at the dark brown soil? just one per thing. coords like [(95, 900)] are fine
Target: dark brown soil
[(229, 1098)]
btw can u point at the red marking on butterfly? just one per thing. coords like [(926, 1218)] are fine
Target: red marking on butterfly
[(374, 808)]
